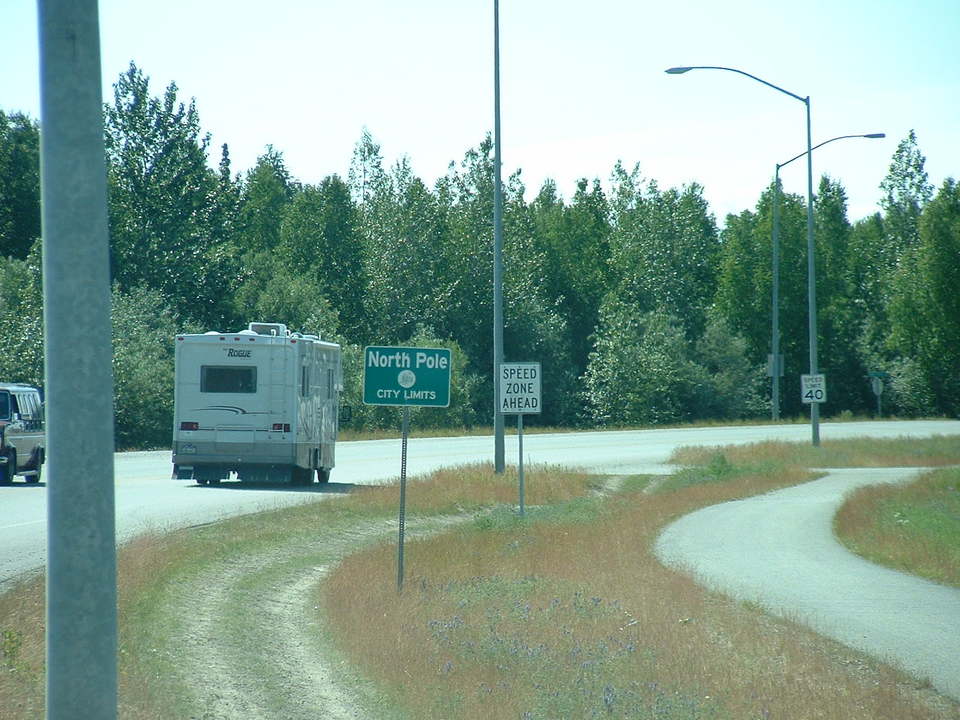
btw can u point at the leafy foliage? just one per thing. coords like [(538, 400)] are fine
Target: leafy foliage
[(639, 309), (163, 198), (21, 319), (19, 184), (143, 346)]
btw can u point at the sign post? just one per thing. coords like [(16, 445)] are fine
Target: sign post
[(519, 385), (405, 377), (876, 384)]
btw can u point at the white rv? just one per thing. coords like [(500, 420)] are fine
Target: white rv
[(261, 403)]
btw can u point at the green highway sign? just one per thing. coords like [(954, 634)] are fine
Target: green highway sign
[(408, 376)]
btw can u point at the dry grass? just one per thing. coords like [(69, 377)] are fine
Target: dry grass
[(573, 617), (865, 452), (22, 650), (468, 488), (140, 564), (914, 527)]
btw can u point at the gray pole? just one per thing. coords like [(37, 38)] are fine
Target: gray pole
[(775, 303), (776, 265), (404, 432), (520, 460), (81, 633), (498, 448), (811, 280)]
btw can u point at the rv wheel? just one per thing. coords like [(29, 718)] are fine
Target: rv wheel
[(323, 474)]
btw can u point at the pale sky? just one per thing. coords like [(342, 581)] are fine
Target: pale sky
[(582, 84)]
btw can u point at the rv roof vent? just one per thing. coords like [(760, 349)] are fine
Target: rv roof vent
[(212, 332), (277, 329), (246, 332)]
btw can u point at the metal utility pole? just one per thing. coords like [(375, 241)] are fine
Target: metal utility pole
[(498, 446), (81, 633), (811, 265), (811, 281), (775, 363)]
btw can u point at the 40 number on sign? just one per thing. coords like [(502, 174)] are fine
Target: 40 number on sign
[(813, 388)]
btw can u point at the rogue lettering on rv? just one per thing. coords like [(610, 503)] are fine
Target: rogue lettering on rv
[(238, 353)]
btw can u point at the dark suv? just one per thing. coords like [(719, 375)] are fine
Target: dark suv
[(22, 438)]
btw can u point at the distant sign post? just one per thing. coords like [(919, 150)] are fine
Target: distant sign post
[(813, 388), (405, 377), (519, 395), (876, 384)]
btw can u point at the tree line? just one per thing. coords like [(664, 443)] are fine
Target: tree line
[(641, 309)]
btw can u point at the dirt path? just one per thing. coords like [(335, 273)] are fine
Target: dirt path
[(269, 660)]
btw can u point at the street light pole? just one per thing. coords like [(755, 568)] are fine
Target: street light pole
[(811, 279), (775, 314), (775, 329), (498, 441)]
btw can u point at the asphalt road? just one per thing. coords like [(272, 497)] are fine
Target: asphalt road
[(779, 551), (147, 499)]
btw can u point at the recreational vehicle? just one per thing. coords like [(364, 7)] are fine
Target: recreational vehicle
[(261, 403)]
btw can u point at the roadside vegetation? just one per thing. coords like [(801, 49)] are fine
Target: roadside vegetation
[(568, 614), (914, 528), (562, 613), (644, 308), (934, 451)]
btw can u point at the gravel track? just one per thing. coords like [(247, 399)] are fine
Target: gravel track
[(269, 660), (265, 661)]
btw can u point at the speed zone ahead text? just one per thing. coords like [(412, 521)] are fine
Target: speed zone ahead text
[(520, 388)]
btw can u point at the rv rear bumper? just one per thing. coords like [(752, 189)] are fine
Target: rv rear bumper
[(231, 454)]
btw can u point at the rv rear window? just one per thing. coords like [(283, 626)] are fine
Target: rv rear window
[(4, 406), (219, 379)]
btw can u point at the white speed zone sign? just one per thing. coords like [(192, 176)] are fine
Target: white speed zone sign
[(813, 388)]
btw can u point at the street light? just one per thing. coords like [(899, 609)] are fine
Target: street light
[(775, 314), (811, 279)]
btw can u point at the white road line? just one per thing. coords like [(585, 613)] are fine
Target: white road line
[(23, 524)]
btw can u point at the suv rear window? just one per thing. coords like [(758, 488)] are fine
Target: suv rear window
[(228, 379)]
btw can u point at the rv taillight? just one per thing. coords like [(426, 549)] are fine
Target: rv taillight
[(189, 426), (282, 427)]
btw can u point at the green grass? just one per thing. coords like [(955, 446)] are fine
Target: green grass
[(914, 528)]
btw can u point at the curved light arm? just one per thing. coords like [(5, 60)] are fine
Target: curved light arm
[(839, 137), (681, 70)]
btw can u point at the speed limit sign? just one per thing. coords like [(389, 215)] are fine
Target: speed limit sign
[(813, 388)]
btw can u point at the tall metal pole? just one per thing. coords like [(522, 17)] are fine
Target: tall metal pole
[(775, 309), (811, 281), (498, 446), (776, 262), (81, 632)]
